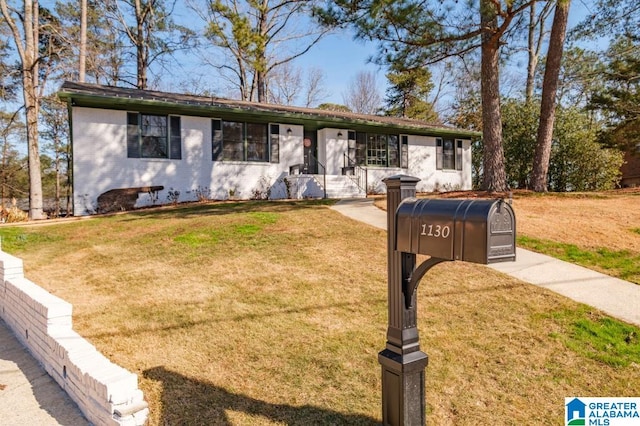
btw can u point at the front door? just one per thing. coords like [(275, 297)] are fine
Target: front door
[(310, 144)]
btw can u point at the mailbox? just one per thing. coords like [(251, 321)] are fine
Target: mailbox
[(480, 231)]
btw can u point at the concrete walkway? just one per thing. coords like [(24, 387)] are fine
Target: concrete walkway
[(28, 395), (618, 298)]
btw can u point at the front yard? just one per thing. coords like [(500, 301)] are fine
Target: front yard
[(273, 313)]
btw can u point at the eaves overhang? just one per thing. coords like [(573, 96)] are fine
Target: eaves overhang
[(201, 107)]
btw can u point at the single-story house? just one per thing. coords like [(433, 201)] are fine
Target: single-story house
[(135, 148)]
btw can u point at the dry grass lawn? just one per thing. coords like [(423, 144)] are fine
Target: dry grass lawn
[(273, 314), (588, 220)]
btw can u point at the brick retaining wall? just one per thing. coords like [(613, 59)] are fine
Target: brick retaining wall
[(106, 393)]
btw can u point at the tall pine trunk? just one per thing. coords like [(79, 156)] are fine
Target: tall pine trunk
[(493, 161), (82, 56), (549, 90)]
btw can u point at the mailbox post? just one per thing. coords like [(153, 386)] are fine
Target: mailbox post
[(402, 361), (479, 231)]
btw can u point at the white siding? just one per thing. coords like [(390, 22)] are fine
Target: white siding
[(100, 163), (331, 149)]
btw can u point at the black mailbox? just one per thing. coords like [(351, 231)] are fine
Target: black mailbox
[(480, 231)]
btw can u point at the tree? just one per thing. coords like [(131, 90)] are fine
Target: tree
[(26, 39), (619, 97), (314, 89), (416, 34), (611, 19), (363, 97), (287, 86), (55, 125), (82, 57), (328, 106), (104, 48), (578, 161), (549, 90), (8, 74), (258, 37), (408, 93), (151, 32), (535, 37), (580, 76), (13, 170), (519, 126)]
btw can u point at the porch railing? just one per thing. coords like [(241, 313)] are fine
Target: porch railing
[(323, 169), (358, 173)]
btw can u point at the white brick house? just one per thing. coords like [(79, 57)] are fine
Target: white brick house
[(163, 147)]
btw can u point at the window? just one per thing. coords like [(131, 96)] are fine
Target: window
[(153, 136), (379, 150), (257, 142), (376, 150), (232, 141), (448, 154), (240, 141)]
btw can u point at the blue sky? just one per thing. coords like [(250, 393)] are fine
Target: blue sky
[(341, 58)]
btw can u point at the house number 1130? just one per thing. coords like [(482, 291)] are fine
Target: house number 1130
[(436, 231)]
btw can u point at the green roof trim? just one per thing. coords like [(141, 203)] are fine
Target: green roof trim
[(95, 96)]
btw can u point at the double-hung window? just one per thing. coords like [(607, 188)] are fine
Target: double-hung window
[(448, 154), (241, 141), (153, 136)]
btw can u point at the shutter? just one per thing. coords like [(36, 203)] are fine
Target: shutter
[(216, 140), (404, 151), (438, 154), (133, 135), (275, 143), (175, 141), (458, 155)]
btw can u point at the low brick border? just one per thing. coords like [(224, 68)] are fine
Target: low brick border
[(106, 393)]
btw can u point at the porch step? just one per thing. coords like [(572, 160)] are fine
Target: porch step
[(338, 186)]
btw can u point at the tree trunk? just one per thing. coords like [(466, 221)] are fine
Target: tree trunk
[(261, 83), (141, 46), (261, 62), (533, 56), (82, 59), (35, 180), (549, 90), (493, 161)]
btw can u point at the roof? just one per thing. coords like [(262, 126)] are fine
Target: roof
[(97, 96)]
